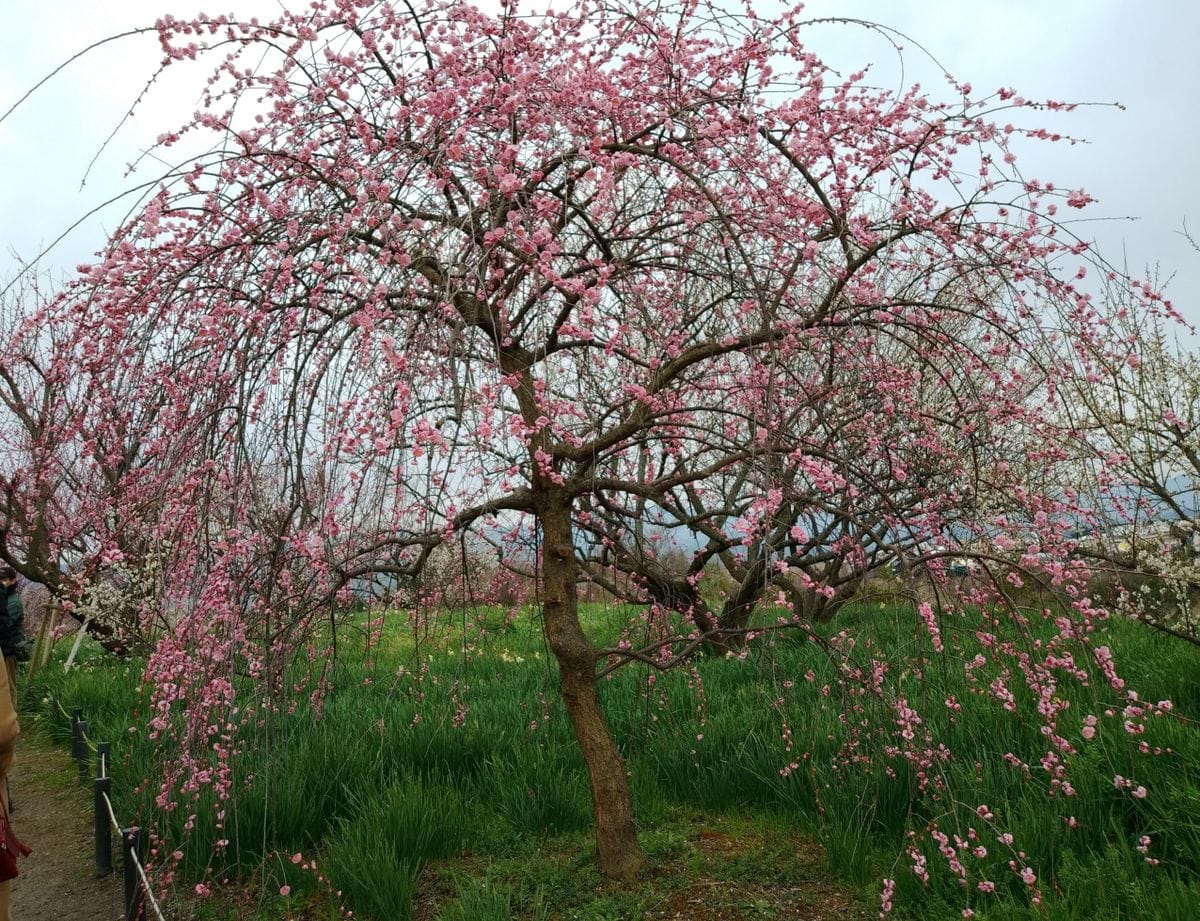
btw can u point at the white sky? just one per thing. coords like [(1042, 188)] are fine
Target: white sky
[(1141, 163)]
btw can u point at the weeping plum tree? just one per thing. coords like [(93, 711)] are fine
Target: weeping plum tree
[(446, 273)]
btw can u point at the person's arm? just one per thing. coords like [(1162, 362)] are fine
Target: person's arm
[(9, 727)]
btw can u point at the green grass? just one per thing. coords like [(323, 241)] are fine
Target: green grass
[(491, 819)]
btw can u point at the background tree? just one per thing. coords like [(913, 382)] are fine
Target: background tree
[(1138, 405), (61, 476)]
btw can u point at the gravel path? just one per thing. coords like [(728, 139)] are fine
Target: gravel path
[(53, 815)]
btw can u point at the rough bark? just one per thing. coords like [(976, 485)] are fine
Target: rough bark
[(620, 854)]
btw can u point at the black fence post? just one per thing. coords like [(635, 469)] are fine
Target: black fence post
[(101, 787), (131, 855), (76, 719), (76, 732), (81, 752)]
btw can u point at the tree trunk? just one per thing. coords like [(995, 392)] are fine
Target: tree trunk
[(621, 856), (740, 606)]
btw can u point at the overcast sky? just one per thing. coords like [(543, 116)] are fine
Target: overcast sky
[(1140, 162)]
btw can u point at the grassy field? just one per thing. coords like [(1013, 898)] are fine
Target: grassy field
[(408, 815)]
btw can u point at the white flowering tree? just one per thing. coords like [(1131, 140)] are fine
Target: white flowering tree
[(1139, 409)]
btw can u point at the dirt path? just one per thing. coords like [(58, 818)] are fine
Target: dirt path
[(53, 815)]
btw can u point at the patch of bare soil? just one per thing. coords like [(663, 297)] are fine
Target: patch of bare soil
[(53, 815), (713, 893), (718, 875), (718, 900)]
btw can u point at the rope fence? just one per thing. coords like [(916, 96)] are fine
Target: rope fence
[(140, 903)]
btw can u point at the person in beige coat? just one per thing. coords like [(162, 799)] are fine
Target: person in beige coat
[(9, 730)]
